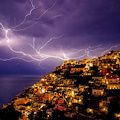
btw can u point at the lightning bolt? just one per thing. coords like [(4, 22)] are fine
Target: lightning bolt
[(49, 41), (39, 56), (115, 46), (14, 58), (28, 14), (85, 51), (34, 19), (6, 32)]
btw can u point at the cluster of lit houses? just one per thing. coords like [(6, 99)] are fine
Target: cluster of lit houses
[(62, 93)]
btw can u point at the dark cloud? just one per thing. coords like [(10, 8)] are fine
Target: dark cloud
[(82, 22), (36, 31)]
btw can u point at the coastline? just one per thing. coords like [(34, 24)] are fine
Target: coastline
[(9, 86), (87, 89)]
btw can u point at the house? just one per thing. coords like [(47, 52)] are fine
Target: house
[(21, 101), (58, 67), (105, 71), (77, 68), (94, 61), (87, 73), (70, 61), (111, 79), (82, 87), (98, 92), (88, 65), (60, 100), (113, 86), (78, 99), (80, 62), (60, 107), (86, 60), (98, 80), (48, 96)]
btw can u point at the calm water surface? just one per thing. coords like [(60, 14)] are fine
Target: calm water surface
[(12, 85)]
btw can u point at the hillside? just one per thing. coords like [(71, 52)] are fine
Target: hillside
[(85, 90)]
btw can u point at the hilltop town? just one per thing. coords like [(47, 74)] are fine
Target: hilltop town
[(85, 90)]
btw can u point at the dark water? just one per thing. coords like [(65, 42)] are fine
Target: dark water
[(12, 85)]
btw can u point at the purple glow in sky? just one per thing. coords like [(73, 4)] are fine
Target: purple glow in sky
[(38, 35)]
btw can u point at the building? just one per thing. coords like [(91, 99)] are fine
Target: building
[(70, 61), (77, 68), (113, 86), (98, 92), (83, 87), (111, 79)]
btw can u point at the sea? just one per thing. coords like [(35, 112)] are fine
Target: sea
[(11, 86)]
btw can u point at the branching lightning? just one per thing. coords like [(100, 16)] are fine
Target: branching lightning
[(39, 55), (115, 46)]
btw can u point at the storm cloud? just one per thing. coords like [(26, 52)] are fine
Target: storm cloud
[(82, 23)]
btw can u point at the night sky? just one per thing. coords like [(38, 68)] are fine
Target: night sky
[(51, 31)]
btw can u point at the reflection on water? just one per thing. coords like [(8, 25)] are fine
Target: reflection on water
[(12, 85)]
